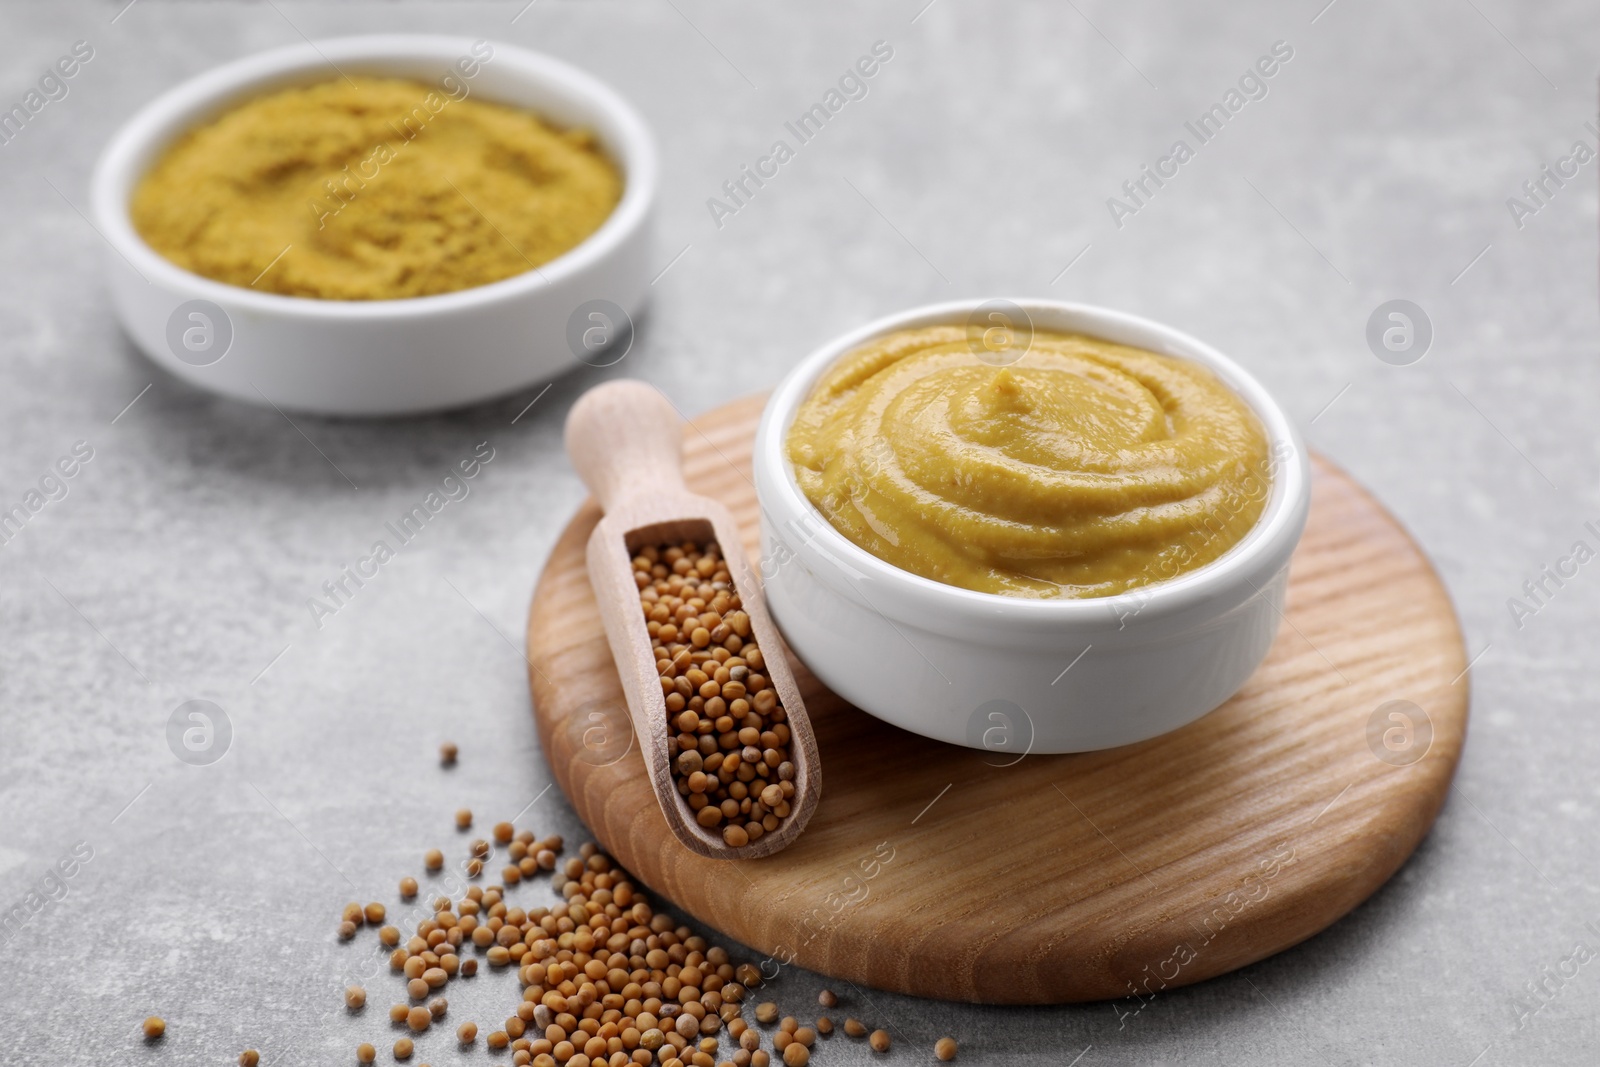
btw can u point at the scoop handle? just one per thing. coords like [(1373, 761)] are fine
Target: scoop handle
[(626, 439)]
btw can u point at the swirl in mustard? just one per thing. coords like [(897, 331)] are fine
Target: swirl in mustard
[(1083, 469)]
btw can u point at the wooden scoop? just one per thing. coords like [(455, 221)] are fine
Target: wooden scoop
[(626, 440)]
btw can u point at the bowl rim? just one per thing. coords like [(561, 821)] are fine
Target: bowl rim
[(1219, 584), (157, 122)]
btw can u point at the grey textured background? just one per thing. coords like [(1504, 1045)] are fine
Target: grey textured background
[(180, 562)]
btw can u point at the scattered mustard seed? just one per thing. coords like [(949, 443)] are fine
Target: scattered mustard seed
[(355, 998), (945, 1049), (365, 1053), (347, 930), (374, 913), (605, 932), (433, 859), (504, 832), (448, 753), (854, 1028), (824, 1025), (408, 888), (154, 1027), (249, 1058), (463, 819), (879, 1040), (828, 999)]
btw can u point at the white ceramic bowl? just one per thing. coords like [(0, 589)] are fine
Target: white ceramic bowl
[(384, 357), (1015, 675)]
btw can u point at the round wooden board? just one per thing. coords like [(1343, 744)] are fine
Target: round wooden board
[(943, 872)]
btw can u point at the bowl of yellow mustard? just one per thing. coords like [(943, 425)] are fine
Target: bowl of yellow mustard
[(1028, 526), (379, 225)]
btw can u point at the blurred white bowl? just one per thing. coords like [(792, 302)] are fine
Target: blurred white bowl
[(384, 357), (1013, 675)]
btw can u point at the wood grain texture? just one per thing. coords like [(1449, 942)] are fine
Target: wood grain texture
[(928, 870)]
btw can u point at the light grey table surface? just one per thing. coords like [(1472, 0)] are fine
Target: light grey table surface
[(179, 564)]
